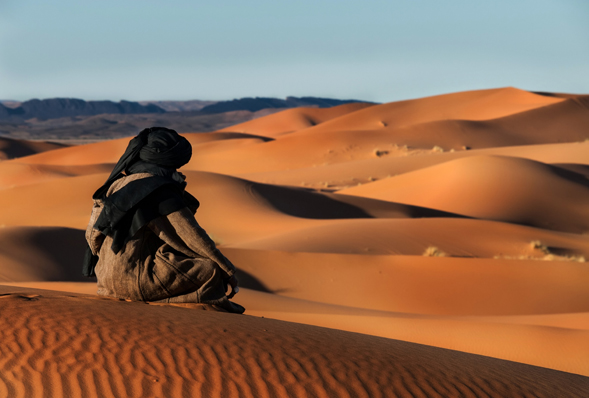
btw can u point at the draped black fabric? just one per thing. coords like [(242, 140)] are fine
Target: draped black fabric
[(157, 151), (136, 204)]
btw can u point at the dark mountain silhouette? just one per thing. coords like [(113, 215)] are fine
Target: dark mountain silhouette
[(69, 119), (180, 106), (55, 108), (63, 107), (259, 103)]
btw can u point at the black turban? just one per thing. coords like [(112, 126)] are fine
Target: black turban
[(158, 151), (157, 146), (165, 148)]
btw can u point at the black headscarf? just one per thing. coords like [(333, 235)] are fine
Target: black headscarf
[(158, 147), (158, 151)]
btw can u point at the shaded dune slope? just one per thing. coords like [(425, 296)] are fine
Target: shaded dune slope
[(12, 148), (198, 353), (41, 254)]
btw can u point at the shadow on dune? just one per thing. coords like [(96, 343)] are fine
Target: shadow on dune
[(249, 281), (42, 254), (52, 254), (577, 173), (305, 203)]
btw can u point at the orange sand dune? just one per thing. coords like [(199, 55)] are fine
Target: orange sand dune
[(110, 151), (565, 121), (500, 334), (326, 214), (496, 188), (11, 148), (294, 119), (96, 153), (352, 173), (468, 105), (63, 202), (477, 238), (141, 350), (14, 174), (534, 336), (561, 122), (421, 285), (265, 208), (528, 333), (269, 210)]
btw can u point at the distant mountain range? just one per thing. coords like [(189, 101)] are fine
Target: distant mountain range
[(258, 103), (62, 107), (68, 107)]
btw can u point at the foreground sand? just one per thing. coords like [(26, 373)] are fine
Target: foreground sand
[(56, 344), (458, 221)]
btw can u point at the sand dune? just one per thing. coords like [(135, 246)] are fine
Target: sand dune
[(421, 285), (469, 105), (495, 188), (327, 213), (321, 145), (63, 202), (477, 238), (13, 173), (201, 353), (294, 119), (349, 174)]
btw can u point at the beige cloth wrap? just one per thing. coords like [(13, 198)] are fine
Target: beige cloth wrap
[(172, 259)]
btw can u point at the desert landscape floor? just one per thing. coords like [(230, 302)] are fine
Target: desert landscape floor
[(430, 247), (63, 344)]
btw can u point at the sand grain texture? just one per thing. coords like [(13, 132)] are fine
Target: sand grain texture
[(76, 345)]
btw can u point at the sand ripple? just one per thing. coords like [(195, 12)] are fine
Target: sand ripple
[(82, 346)]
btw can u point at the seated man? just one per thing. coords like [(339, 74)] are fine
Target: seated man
[(144, 242)]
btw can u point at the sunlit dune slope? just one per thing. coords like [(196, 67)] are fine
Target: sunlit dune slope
[(573, 156), (13, 173), (141, 350), (564, 121), (422, 285), (294, 119), (96, 153), (63, 202), (468, 105), (495, 188)]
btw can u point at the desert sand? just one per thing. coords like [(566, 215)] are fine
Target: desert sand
[(430, 247)]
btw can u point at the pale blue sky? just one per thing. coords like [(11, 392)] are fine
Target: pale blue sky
[(373, 49)]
